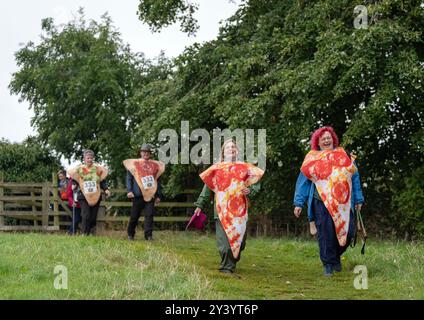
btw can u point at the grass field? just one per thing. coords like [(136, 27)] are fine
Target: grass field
[(180, 265)]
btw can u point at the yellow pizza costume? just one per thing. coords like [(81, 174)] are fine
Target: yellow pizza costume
[(89, 179)]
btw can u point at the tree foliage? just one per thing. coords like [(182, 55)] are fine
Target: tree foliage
[(287, 66), (78, 80), (27, 161), (159, 14), (292, 66), (409, 204)]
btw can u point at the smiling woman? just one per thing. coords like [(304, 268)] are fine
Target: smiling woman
[(231, 181), (330, 181)]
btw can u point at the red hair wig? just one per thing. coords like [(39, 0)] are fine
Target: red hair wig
[(319, 132)]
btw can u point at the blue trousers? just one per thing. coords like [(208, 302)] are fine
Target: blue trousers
[(329, 248)]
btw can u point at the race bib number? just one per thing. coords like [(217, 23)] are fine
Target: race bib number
[(148, 182), (90, 186)]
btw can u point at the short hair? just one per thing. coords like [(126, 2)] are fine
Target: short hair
[(88, 152), (319, 132), (61, 171)]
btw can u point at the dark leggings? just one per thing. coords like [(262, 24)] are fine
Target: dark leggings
[(329, 248), (89, 216)]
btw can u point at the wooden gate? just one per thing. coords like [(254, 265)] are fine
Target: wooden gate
[(41, 206)]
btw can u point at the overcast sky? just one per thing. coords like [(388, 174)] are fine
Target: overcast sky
[(20, 22)]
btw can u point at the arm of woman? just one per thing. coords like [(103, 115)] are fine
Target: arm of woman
[(301, 194), (358, 197), (203, 199)]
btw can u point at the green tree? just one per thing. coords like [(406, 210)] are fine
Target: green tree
[(159, 14), (77, 79), (28, 161), (292, 66), (409, 203), (287, 66)]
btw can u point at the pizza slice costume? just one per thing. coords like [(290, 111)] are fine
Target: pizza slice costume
[(89, 179), (227, 180), (146, 174), (331, 171)]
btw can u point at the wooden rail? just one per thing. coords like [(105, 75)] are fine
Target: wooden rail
[(41, 204)]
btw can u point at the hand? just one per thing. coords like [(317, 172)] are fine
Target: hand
[(73, 186), (358, 206), (157, 200), (197, 211), (107, 192), (297, 211), (130, 195), (245, 191)]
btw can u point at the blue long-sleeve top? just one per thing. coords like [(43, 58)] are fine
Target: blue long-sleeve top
[(305, 189), (132, 186)]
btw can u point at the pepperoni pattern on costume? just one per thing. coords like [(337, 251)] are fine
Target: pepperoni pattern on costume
[(142, 170), (227, 180), (145, 168), (331, 171)]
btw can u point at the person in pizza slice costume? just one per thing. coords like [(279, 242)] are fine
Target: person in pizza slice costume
[(231, 182), (143, 189), (89, 179), (329, 183)]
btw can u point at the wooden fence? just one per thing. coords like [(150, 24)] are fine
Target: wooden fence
[(40, 204)]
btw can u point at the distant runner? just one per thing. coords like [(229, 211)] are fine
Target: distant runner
[(144, 190), (89, 179)]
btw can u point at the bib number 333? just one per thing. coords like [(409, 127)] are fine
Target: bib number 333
[(90, 186), (148, 182)]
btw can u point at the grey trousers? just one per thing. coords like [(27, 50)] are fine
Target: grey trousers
[(228, 262)]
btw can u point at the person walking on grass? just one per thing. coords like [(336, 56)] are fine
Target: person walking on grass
[(329, 183), (143, 189), (231, 181), (88, 179)]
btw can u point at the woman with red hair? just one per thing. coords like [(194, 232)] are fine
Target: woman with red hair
[(329, 182)]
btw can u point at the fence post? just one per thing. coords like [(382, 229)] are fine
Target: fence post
[(1, 201), (45, 204), (101, 215), (34, 209), (55, 200)]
